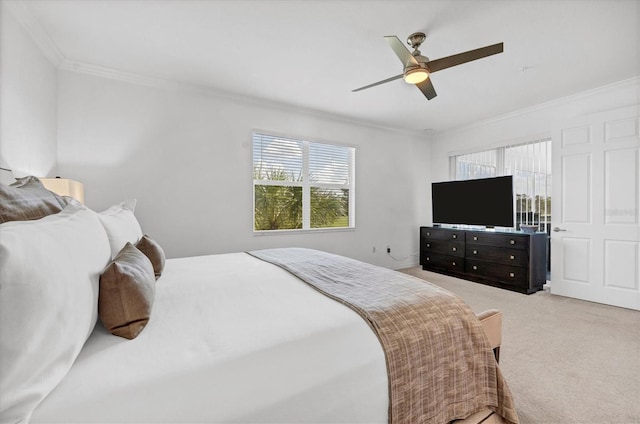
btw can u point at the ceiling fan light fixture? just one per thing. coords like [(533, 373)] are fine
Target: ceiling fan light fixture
[(416, 76)]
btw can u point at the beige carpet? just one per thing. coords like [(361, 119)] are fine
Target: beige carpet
[(565, 360)]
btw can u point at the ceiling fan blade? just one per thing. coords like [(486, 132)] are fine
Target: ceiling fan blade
[(378, 83), (401, 51), (427, 89), (460, 58)]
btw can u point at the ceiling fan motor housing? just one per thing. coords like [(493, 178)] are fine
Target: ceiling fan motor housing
[(422, 63)]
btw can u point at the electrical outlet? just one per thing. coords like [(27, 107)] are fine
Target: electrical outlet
[(388, 249)]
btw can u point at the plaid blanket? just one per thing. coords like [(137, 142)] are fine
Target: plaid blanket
[(440, 365)]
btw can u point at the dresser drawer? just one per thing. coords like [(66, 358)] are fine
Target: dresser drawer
[(442, 234), (442, 262), (507, 256), (514, 241), (505, 274), (443, 247)]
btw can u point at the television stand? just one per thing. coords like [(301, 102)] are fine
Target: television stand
[(509, 260)]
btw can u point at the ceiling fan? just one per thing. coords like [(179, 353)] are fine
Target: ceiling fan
[(417, 68)]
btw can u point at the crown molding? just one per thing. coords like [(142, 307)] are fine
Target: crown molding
[(163, 83), (25, 17), (167, 84), (110, 73), (629, 82), (21, 12)]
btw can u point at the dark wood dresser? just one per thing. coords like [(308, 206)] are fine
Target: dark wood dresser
[(510, 260)]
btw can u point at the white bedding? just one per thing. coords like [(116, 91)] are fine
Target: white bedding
[(231, 339)]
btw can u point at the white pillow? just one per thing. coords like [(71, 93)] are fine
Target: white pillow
[(49, 274), (121, 225)]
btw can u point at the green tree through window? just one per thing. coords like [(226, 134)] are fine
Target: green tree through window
[(277, 207)]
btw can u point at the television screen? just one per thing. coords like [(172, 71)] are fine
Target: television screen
[(485, 201)]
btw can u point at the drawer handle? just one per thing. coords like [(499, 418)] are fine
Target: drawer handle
[(453, 263), (475, 238), (512, 242), (428, 258), (475, 252), (428, 234), (454, 249), (475, 267), (512, 257), (511, 274), (455, 236)]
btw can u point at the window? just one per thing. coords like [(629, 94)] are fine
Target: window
[(530, 165), (301, 185)]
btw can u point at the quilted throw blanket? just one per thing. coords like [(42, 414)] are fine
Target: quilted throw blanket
[(440, 365)]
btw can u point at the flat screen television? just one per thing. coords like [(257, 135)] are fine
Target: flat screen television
[(484, 201)]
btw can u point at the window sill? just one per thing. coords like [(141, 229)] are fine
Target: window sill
[(308, 231)]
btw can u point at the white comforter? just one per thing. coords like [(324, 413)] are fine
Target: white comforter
[(231, 339)]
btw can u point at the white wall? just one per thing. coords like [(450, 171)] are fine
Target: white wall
[(527, 124), (27, 102), (186, 157)]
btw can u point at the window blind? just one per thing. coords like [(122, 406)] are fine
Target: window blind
[(530, 165), (477, 165), (277, 158)]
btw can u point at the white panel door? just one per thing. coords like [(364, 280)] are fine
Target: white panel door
[(595, 238)]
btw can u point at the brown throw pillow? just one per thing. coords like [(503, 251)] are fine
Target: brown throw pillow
[(154, 252), (28, 199), (127, 290)]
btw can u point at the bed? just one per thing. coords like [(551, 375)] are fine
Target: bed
[(226, 338)]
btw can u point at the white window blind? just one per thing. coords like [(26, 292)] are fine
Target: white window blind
[(530, 165), (477, 165), (301, 185)]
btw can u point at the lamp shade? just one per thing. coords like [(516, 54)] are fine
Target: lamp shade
[(65, 187)]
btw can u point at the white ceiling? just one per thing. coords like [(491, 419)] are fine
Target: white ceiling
[(311, 54)]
